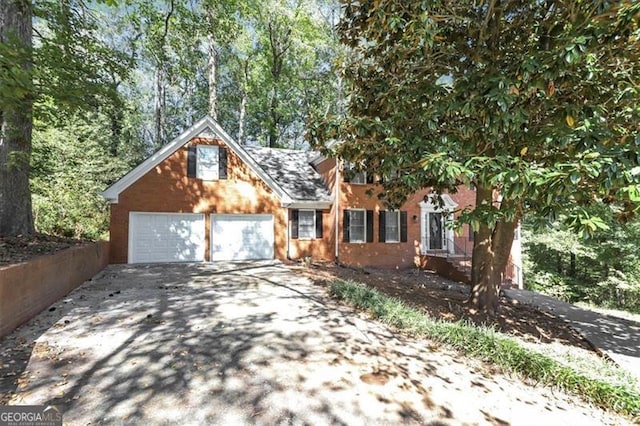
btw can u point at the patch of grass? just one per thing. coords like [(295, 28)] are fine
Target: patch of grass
[(485, 344), (586, 363)]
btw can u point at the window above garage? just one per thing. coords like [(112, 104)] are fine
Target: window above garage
[(207, 162)]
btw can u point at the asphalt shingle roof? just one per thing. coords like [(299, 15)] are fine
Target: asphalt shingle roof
[(292, 170)]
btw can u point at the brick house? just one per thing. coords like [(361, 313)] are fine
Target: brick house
[(203, 197)]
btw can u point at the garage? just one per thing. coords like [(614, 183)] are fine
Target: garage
[(241, 236), (166, 237)]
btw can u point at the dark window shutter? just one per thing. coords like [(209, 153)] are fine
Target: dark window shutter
[(294, 223), (369, 177), (345, 226), (403, 226), (318, 223), (369, 226), (382, 230), (192, 158), (222, 163), (346, 172)]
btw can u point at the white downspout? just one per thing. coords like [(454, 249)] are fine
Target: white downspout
[(288, 231), (337, 207)]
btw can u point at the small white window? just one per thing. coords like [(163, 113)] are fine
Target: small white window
[(207, 163), (392, 175), (357, 226), (358, 177), (306, 224), (392, 226)]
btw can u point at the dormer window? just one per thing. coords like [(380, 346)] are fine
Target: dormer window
[(352, 175), (359, 177)]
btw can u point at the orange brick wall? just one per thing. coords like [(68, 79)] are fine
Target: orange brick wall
[(167, 188), (316, 248), (392, 255), (28, 288), (320, 249)]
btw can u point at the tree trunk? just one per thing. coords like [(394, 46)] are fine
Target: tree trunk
[(116, 119), (160, 106), (572, 265), (213, 85), (244, 98), (273, 123), (242, 117), (491, 250), (16, 121), (559, 266), (280, 42), (160, 89)]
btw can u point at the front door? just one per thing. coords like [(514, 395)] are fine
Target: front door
[(435, 231)]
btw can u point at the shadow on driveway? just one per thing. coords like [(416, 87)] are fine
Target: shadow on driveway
[(618, 338), (248, 343)]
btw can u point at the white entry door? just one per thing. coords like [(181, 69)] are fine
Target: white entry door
[(166, 237), (242, 236)]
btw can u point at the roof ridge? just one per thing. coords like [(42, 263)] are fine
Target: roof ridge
[(279, 149)]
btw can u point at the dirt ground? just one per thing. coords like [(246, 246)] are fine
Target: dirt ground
[(440, 298), (20, 249)]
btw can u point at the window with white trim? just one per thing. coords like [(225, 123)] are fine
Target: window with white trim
[(357, 226), (392, 226), (359, 177), (392, 175), (306, 224), (207, 166), (352, 175)]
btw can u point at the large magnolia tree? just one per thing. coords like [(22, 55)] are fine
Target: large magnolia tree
[(533, 103)]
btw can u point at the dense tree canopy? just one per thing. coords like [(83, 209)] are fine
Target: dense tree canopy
[(263, 66), (534, 101), (601, 269), (121, 78)]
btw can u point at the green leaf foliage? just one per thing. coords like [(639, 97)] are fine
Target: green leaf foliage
[(70, 167), (74, 66), (274, 54), (602, 269), (536, 100)]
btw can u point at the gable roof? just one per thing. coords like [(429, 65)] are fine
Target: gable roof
[(209, 125), (292, 170)]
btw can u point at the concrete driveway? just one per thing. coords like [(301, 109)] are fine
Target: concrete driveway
[(619, 338), (249, 343)]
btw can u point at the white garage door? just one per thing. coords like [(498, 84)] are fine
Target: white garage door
[(166, 237), (241, 236)]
